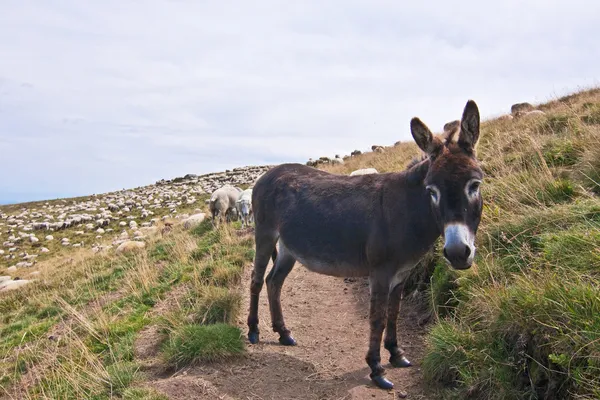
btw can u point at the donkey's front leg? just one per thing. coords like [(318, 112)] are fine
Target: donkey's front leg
[(377, 316), (390, 342)]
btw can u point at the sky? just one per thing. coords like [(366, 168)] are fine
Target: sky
[(98, 96)]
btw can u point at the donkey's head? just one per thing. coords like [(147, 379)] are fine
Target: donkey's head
[(452, 183)]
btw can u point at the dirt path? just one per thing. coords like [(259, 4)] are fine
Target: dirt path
[(329, 319)]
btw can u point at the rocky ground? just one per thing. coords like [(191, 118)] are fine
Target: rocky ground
[(121, 220)]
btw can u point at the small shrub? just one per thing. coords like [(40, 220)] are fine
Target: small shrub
[(190, 344)]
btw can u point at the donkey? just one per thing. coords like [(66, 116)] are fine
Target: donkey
[(375, 225)]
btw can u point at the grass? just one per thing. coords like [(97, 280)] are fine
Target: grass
[(94, 306), (524, 322), (521, 324), (192, 343)]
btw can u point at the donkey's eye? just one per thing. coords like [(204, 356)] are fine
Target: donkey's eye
[(473, 188), (434, 193)]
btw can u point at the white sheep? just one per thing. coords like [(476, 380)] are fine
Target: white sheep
[(244, 207), (222, 202), (364, 171)]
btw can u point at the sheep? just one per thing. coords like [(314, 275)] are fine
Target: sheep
[(222, 203), (244, 207), (337, 160), (364, 171), (521, 108)]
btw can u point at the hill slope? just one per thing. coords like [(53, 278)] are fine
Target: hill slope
[(524, 322), (167, 320)]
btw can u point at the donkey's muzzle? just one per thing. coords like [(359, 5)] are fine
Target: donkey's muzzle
[(458, 247)]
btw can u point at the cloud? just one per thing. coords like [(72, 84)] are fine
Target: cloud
[(97, 96)]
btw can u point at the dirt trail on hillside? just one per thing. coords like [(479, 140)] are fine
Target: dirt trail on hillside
[(329, 319)]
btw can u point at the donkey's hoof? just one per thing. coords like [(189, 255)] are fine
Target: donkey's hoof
[(287, 340), (381, 382), (253, 337), (400, 362)]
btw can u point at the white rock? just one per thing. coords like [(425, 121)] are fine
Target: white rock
[(130, 245), (10, 285), (193, 220)]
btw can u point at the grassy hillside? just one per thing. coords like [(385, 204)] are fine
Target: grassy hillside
[(524, 322), (75, 331)]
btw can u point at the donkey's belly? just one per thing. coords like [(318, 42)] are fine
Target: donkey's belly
[(327, 262), (340, 269)]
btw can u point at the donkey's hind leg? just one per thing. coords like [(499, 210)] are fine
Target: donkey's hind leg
[(283, 265), (265, 249)]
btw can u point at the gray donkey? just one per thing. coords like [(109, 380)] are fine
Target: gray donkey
[(377, 225)]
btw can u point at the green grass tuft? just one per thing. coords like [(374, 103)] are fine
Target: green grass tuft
[(190, 344), (215, 305), (121, 374)]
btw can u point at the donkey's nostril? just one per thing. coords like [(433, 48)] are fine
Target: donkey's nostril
[(457, 253)]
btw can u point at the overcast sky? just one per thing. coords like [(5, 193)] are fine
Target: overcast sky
[(103, 95)]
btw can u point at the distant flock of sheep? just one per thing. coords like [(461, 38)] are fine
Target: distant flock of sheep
[(230, 202)]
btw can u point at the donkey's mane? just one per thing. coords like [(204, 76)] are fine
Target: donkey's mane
[(416, 160)]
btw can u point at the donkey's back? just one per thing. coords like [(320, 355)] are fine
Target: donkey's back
[(324, 221)]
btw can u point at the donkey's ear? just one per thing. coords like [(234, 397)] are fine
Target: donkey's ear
[(469, 126), (424, 138)]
